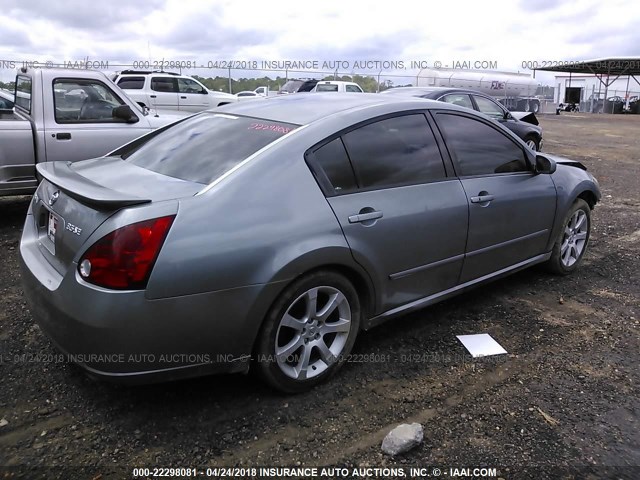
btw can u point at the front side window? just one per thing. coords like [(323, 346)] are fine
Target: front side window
[(395, 151), (78, 101), (164, 84), (462, 100), (489, 107), (204, 147), (479, 148), (353, 88), (186, 85)]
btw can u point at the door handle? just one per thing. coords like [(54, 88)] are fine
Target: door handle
[(153, 96), (365, 217), (63, 136), (482, 198), (183, 97)]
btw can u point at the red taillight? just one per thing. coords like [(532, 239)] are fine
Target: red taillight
[(123, 259)]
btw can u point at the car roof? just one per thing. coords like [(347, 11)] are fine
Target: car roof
[(149, 72), (306, 108), (432, 91), (336, 82)]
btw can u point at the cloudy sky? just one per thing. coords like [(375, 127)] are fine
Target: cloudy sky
[(506, 32)]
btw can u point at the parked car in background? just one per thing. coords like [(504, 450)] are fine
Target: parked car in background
[(634, 104), (68, 115), (295, 86), (268, 234), (265, 91), (171, 91), (6, 100), (247, 95), (523, 124), (337, 86)]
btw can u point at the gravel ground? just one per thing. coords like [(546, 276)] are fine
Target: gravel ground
[(564, 403)]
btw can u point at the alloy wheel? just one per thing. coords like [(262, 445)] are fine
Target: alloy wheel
[(574, 239), (313, 332)]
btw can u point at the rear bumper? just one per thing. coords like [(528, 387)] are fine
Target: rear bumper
[(123, 336)]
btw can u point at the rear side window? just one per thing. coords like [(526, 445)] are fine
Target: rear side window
[(204, 147), (333, 160), (395, 151), (131, 83), (479, 148), (164, 84), (322, 87)]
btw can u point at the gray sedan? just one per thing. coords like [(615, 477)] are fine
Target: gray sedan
[(266, 235), (523, 124)]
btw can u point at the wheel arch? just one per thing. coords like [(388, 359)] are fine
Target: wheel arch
[(589, 197), (348, 268)]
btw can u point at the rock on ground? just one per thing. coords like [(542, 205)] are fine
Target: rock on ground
[(402, 438)]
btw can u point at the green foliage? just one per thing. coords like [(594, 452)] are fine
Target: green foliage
[(8, 86)]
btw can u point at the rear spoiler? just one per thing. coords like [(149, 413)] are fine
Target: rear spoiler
[(81, 188)]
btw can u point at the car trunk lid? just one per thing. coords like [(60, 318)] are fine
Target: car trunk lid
[(76, 198)]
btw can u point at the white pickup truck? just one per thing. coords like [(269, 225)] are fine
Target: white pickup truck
[(69, 115), (337, 86)]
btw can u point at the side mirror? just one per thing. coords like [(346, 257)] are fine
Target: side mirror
[(124, 112), (544, 165)]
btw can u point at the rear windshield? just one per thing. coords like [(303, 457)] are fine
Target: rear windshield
[(204, 147)]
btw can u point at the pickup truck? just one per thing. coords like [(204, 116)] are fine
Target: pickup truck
[(336, 86), (70, 115)]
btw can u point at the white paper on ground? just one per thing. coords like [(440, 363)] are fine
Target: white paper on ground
[(481, 345)]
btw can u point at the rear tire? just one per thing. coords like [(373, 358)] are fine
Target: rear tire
[(571, 244), (308, 333), (535, 107)]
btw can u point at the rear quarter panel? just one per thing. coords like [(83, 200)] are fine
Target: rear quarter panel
[(268, 222)]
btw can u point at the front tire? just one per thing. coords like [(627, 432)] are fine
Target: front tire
[(309, 332), (532, 142), (572, 242)]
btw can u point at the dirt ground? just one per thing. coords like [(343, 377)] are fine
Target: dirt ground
[(564, 403)]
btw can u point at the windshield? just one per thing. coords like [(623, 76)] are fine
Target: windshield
[(206, 146)]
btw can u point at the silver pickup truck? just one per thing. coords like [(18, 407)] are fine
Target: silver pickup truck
[(69, 115)]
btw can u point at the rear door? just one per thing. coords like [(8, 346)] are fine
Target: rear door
[(511, 209), (192, 97), (404, 219), (163, 93), (79, 123)]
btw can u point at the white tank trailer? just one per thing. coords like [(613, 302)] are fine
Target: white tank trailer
[(516, 91)]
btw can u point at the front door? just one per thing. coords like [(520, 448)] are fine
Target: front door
[(81, 125), (511, 209)]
